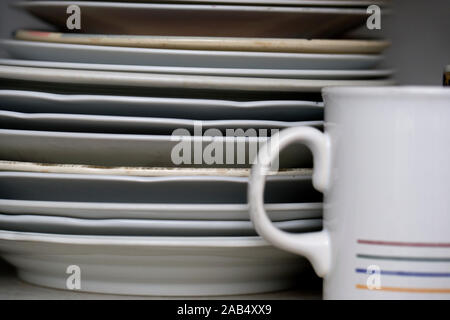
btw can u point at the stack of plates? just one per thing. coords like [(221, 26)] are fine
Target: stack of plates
[(232, 50), (90, 123)]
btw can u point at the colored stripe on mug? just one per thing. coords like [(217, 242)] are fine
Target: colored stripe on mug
[(405, 244), (397, 258), (410, 290), (408, 273)]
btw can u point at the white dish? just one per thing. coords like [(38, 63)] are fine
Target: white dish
[(135, 150), (34, 50), (48, 202), (172, 19), (140, 171), (229, 72), (199, 109), (144, 227), (162, 211), (211, 43), (326, 3), (150, 190), (149, 83), (160, 266), (132, 125)]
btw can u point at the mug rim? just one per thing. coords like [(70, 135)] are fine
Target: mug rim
[(398, 90)]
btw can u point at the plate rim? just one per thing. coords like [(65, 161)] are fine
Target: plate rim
[(181, 6), (172, 224), (159, 206), (185, 82), (9, 42), (138, 241), (74, 98), (234, 72)]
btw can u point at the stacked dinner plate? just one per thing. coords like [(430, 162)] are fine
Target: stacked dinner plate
[(125, 147)]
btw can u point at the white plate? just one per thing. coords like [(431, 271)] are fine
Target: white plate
[(319, 3), (132, 125), (202, 19), (144, 227), (137, 150), (150, 190), (153, 265), (197, 109), (34, 50), (149, 83), (211, 43), (229, 72), (162, 211), (20, 204), (140, 171)]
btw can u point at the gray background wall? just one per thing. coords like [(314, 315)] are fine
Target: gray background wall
[(420, 34), (419, 30)]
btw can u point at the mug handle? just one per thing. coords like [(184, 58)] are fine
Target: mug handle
[(315, 246)]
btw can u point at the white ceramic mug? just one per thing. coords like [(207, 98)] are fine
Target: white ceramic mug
[(383, 165)]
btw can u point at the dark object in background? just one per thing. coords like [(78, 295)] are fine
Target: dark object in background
[(446, 80)]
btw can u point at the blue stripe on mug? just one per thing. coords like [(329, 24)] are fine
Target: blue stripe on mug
[(408, 273)]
